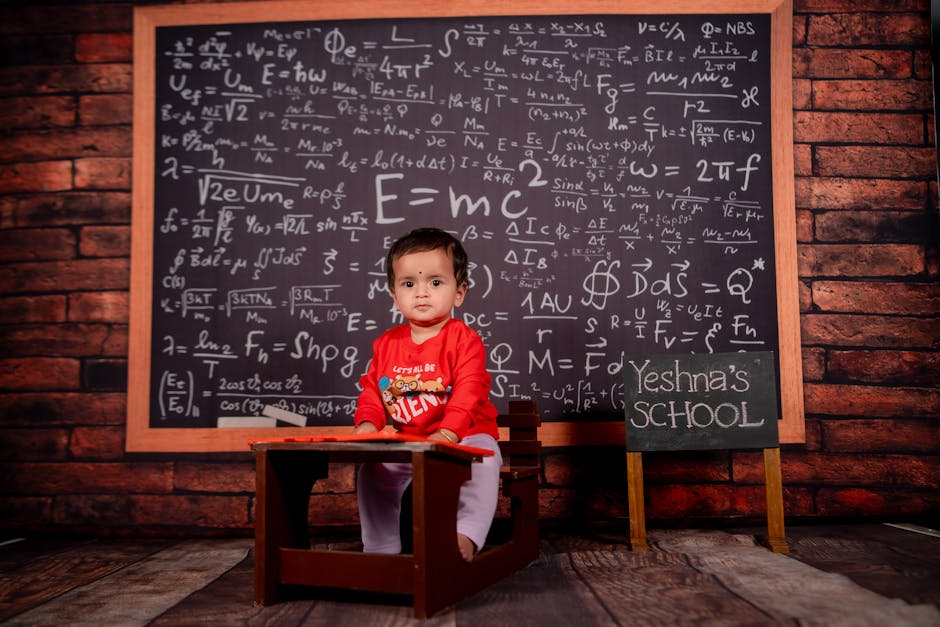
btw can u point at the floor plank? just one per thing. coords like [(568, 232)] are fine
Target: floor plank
[(893, 562), (35, 572), (139, 591), (835, 574)]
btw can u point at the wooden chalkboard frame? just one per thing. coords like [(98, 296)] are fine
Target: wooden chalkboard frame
[(141, 437)]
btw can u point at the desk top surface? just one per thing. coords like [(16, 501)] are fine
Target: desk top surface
[(369, 445)]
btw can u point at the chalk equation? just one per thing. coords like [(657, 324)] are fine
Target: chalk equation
[(609, 175)]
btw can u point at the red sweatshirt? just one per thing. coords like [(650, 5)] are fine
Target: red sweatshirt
[(441, 383)]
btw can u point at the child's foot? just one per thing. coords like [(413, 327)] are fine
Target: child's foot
[(467, 548)]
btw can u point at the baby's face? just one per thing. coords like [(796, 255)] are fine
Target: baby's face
[(425, 288)]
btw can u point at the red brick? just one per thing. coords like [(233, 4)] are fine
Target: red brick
[(802, 160), (867, 128), (885, 367), (877, 297), (860, 260), (876, 226), (686, 467), (71, 340), (103, 47), (106, 173), (47, 176), (67, 79), (885, 161), (98, 307), (55, 408), (923, 65), (333, 509), (214, 477), (871, 401), (850, 6), (806, 296), (867, 29), (848, 63), (814, 364), (342, 478), (66, 18), (39, 112), (858, 193), (37, 49), (65, 208), (99, 443), (91, 478), (105, 241), (802, 94), (202, 510), (873, 95), (26, 514), (104, 375), (105, 109), (565, 466), (39, 373), (115, 345), (33, 444), (705, 501), (799, 30), (838, 469), (813, 437), (748, 467), (869, 331), (36, 244), (77, 274), (555, 503), (875, 502), (882, 436), (26, 309), (804, 226), (92, 512), (91, 142)]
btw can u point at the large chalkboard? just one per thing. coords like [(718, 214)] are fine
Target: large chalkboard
[(615, 177)]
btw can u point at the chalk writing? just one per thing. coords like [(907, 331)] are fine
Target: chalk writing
[(703, 401), (610, 177)]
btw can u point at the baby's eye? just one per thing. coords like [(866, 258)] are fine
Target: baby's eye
[(408, 283), (437, 282)]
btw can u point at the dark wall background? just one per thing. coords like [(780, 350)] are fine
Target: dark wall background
[(866, 195)]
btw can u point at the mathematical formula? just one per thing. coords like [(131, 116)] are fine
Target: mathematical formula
[(610, 177)]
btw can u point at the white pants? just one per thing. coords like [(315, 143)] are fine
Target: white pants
[(381, 485)]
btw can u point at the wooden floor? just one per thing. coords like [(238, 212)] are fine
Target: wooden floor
[(834, 575)]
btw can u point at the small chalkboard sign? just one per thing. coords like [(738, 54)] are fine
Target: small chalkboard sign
[(700, 401)]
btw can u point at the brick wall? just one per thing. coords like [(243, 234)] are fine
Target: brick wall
[(867, 228)]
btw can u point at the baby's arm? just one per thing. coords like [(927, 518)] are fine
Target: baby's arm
[(365, 427)]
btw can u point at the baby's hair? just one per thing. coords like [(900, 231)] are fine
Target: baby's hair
[(425, 239)]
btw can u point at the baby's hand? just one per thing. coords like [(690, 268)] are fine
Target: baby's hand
[(365, 427), (444, 435)]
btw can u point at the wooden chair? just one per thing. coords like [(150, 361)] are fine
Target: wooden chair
[(433, 573)]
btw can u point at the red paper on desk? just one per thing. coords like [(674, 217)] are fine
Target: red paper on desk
[(381, 436)]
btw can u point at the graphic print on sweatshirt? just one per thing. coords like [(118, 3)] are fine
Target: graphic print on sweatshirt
[(407, 396)]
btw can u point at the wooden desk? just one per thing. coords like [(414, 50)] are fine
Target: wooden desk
[(434, 574)]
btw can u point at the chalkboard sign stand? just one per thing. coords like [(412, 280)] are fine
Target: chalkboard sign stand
[(776, 539), (773, 487), (635, 505)]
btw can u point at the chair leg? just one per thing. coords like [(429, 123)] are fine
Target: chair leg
[(525, 518)]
